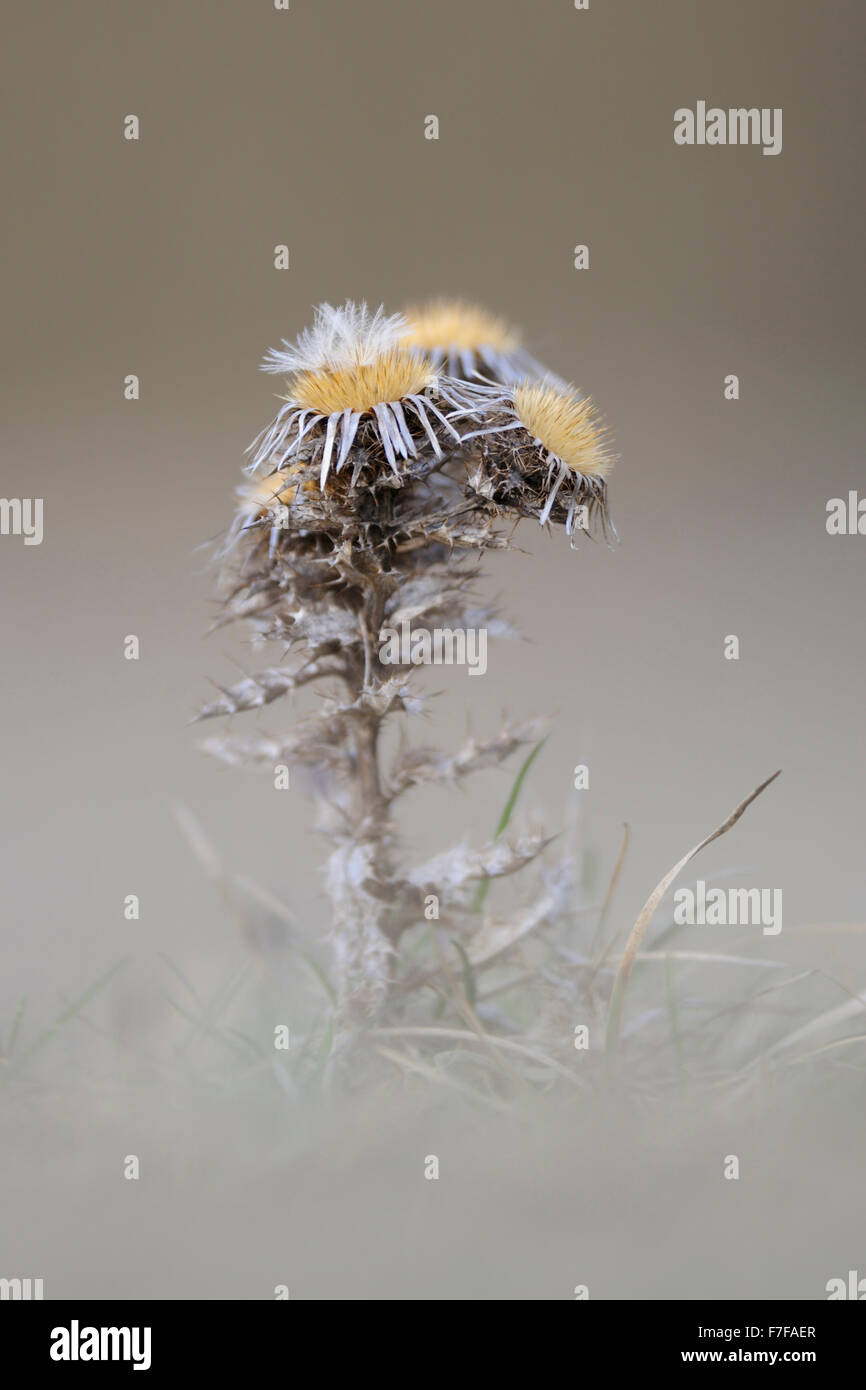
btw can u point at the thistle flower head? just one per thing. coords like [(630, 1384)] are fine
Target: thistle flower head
[(350, 378), (262, 503), (453, 326), (347, 335), (392, 376), (468, 341), (543, 449), (564, 425), (264, 495)]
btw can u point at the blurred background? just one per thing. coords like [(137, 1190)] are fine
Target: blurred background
[(156, 257)]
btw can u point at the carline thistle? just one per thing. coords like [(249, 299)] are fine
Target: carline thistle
[(404, 447)]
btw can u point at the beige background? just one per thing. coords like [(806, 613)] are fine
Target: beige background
[(259, 127)]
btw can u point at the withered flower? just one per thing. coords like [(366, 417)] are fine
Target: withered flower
[(542, 451), (379, 475), (349, 376), (467, 342)]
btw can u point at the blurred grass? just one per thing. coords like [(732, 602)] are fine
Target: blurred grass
[(490, 1031)]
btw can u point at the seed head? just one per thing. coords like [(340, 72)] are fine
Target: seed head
[(278, 489), (563, 424), (543, 450), (468, 341), (392, 376), (351, 378)]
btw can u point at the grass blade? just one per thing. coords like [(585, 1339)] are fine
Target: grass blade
[(468, 973), (648, 911), (611, 889), (16, 1024), (507, 811), (70, 1012)]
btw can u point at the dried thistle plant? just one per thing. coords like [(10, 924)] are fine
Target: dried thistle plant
[(402, 451)]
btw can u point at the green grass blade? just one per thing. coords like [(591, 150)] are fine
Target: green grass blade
[(507, 810), (468, 973), (70, 1012), (16, 1024)]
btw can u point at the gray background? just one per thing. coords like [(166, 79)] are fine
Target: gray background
[(156, 257)]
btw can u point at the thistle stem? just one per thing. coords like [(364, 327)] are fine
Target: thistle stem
[(359, 870)]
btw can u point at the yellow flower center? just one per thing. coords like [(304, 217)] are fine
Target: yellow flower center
[(448, 323), (566, 426), (277, 490), (392, 376)]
